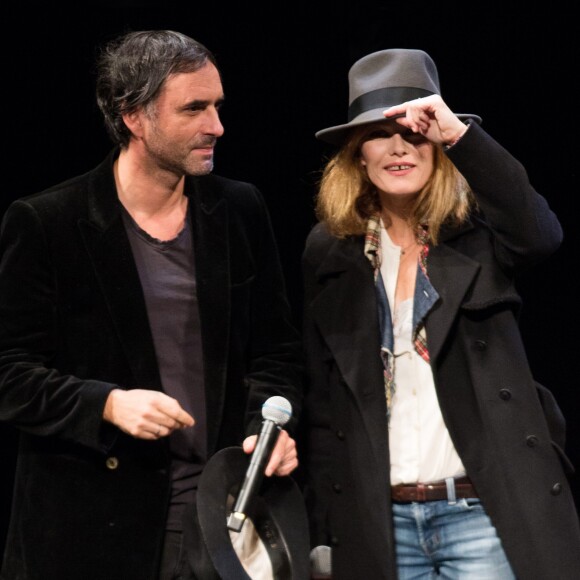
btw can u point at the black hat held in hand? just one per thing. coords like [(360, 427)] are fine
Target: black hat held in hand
[(275, 543)]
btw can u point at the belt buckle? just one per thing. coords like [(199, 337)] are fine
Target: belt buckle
[(422, 492)]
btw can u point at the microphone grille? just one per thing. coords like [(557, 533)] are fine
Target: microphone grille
[(277, 409)]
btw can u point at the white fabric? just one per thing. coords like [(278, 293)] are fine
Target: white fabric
[(251, 552), (420, 446)]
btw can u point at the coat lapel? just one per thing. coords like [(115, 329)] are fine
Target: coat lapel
[(346, 313), (109, 250), (211, 247), (345, 310), (451, 274)]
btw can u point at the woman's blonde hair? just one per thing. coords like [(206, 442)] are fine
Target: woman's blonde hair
[(347, 198)]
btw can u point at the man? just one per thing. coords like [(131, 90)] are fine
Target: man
[(143, 323)]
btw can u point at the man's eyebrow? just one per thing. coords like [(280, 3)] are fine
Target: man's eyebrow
[(203, 103)]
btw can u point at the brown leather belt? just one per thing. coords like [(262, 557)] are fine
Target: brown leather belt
[(432, 491)]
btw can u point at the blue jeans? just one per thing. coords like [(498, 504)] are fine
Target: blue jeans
[(440, 539)]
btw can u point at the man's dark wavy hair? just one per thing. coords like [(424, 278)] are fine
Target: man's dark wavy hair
[(132, 69)]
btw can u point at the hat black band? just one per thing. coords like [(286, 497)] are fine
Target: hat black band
[(384, 98)]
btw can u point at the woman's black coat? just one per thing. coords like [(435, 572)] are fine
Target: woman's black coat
[(506, 428)]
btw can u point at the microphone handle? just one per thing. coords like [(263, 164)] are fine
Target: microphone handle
[(321, 563), (258, 462)]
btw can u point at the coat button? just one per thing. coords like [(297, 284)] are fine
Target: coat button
[(531, 440), (480, 344), (336, 487), (556, 489), (505, 394), (112, 463), (340, 435), (333, 541)]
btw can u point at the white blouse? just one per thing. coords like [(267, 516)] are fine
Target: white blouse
[(420, 446)]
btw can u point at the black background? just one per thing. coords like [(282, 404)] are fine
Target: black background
[(285, 76)]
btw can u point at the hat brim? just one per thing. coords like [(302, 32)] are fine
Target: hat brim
[(337, 135), (278, 515)]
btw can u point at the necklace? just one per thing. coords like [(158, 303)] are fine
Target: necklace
[(406, 248)]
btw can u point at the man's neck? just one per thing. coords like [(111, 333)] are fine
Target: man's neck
[(154, 198)]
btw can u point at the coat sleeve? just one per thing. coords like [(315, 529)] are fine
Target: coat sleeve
[(525, 229), (33, 396)]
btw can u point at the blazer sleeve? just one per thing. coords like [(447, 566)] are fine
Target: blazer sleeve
[(33, 396)]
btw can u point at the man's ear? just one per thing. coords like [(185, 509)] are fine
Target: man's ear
[(133, 120)]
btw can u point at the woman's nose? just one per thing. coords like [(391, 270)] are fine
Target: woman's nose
[(398, 145)]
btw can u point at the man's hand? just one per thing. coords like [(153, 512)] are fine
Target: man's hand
[(284, 458), (145, 414)]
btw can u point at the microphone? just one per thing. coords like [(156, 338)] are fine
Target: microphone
[(276, 412), (321, 563)]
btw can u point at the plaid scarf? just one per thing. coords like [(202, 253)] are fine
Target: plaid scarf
[(372, 250)]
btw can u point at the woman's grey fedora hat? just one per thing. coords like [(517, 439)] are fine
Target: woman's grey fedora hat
[(383, 79)]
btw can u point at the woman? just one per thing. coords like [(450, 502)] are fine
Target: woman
[(431, 450)]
